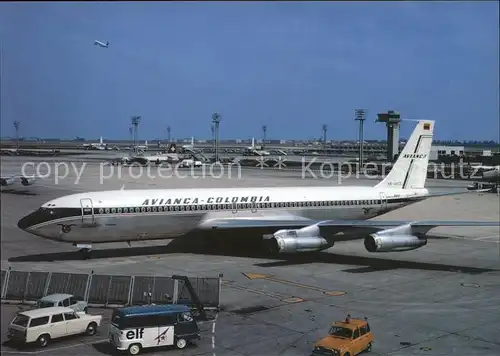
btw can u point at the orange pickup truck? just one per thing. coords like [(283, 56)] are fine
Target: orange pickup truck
[(345, 338)]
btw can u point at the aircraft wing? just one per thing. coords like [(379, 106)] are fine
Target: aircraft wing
[(272, 223), (375, 225)]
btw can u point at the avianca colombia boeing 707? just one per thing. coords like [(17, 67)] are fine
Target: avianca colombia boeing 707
[(294, 219)]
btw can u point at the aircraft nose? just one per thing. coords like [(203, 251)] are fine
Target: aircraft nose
[(24, 223), (30, 220)]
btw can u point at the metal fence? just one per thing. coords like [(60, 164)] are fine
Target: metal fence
[(108, 290)]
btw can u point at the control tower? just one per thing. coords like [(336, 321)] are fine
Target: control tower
[(392, 120)]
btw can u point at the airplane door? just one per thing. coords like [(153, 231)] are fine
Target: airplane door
[(87, 211), (383, 202)]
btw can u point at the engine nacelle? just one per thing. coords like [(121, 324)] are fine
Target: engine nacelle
[(306, 239), (7, 181), (27, 181), (388, 243)]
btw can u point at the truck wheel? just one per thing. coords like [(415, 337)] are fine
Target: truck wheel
[(91, 329), (181, 343), (134, 349), (369, 347), (347, 354), (43, 340)]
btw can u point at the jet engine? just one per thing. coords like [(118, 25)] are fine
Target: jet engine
[(306, 239), (7, 181), (388, 243), (27, 181)]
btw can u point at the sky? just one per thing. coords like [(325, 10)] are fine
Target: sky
[(290, 66)]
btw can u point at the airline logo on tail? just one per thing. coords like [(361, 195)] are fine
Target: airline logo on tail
[(427, 126)]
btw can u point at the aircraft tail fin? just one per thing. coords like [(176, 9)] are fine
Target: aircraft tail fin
[(410, 169)]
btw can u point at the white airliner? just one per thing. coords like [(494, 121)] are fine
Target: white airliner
[(101, 44), (294, 219)]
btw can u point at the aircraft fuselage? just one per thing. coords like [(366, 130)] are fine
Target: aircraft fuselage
[(100, 217)]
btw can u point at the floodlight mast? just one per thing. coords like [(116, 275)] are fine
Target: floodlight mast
[(359, 115), (16, 126), (264, 132), (216, 122), (135, 123)]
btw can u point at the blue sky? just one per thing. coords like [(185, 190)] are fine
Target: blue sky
[(291, 66)]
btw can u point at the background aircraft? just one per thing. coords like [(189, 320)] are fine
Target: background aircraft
[(485, 177), (13, 179), (101, 44)]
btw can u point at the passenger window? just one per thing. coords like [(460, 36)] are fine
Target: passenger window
[(362, 330), (60, 304), (356, 334), (66, 302), (367, 328), (70, 316), (72, 301), (39, 321), (57, 318)]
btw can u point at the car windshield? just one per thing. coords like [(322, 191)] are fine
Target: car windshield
[(21, 320), (341, 332), (45, 304)]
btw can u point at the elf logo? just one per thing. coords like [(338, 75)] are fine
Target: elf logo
[(415, 155), (135, 334)]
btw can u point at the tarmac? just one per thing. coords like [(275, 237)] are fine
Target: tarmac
[(441, 299)]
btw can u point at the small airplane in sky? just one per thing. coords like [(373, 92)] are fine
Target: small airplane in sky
[(101, 44)]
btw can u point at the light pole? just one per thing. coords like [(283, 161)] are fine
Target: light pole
[(359, 115), (16, 126), (264, 131), (212, 128), (135, 123), (131, 133), (169, 131), (216, 122), (324, 128)]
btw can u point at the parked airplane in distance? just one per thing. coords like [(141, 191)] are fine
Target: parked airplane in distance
[(486, 177), (16, 178), (290, 220), (101, 44)]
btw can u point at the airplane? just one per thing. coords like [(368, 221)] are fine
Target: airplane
[(290, 220), (101, 44), (485, 177), (96, 146), (13, 179)]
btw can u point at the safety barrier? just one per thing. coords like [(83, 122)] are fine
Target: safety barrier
[(107, 290)]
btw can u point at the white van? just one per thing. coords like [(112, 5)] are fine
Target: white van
[(45, 324)]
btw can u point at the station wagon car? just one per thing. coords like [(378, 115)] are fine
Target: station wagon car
[(62, 300), (345, 338), (42, 325)]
